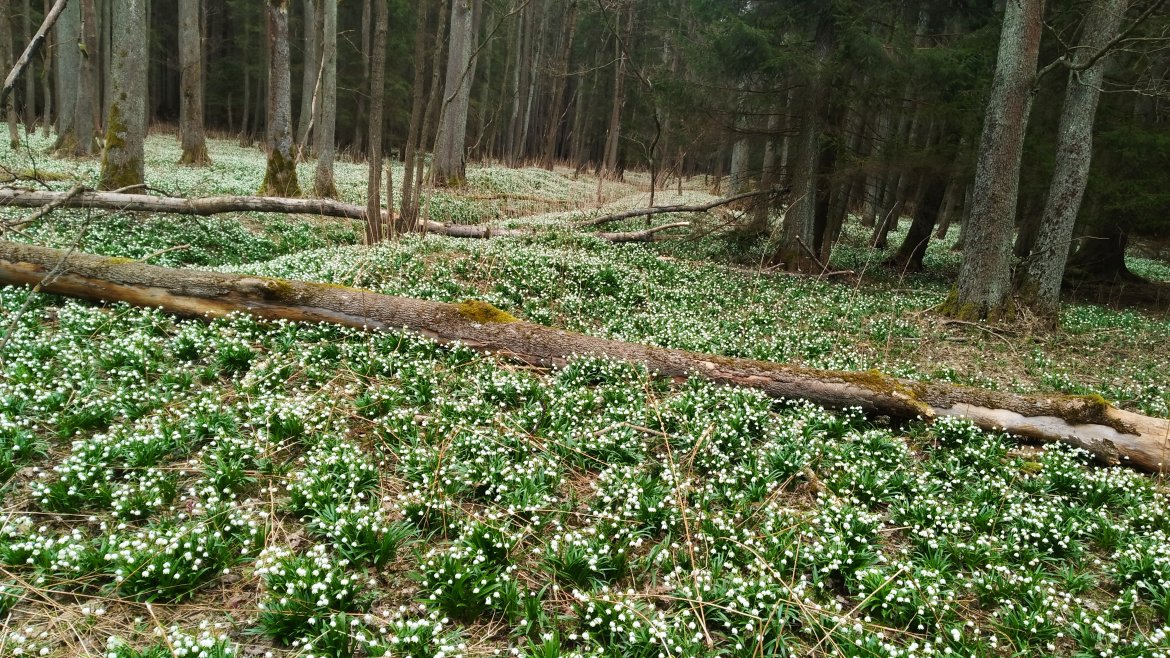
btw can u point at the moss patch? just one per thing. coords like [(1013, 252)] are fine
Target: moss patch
[(483, 312)]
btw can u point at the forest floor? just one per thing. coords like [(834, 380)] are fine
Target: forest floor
[(238, 487)]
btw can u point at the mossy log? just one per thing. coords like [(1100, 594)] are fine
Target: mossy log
[(204, 206), (1113, 436)]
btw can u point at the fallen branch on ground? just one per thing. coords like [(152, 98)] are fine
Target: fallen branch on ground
[(1113, 436), (205, 206), (658, 210)]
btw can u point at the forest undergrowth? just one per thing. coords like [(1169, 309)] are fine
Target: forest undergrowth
[(238, 487)]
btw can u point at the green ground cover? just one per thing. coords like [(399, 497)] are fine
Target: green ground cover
[(237, 487)]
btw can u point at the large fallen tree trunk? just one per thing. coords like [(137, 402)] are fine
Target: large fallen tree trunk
[(1112, 435), (204, 206)]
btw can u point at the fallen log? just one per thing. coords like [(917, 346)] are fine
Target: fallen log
[(205, 206), (676, 209), (1113, 436)]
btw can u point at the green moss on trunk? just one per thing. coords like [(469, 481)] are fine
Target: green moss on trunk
[(118, 170), (280, 178)]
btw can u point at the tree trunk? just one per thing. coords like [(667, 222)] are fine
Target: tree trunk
[(85, 111), (324, 133), (67, 72), (614, 133), (428, 110), (1039, 282), (909, 256), (122, 158), (984, 280), (367, 24), (800, 216), (450, 169), (280, 177), (29, 108), (763, 207), (1101, 256), (6, 60), (375, 221), (191, 134), (312, 64), (47, 76), (1112, 435), (560, 82), (408, 211)]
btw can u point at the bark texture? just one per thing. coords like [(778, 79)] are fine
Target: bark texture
[(191, 134), (86, 115), (6, 61), (280, 177), (324, 133), (450, 167), (376, 226), (122, 158), (1039, 283), (66, 71), (984, 284), (312, 60), (1112, 435)]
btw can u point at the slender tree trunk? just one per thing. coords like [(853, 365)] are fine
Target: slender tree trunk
[(432, 100), (48, 56), (984, 281), (85, 119), (324, 133), (375, 225), (909, 256), (614, 133), (6, 60), (122, 159), (800, 217), (245, 128), (359, 116), (560, 82), (312, 64), (449, 166), (67, 70), (191, 134), (763, 207), (1039, 283), (29, 108), (408, 212), (280, 177), (948, 210)]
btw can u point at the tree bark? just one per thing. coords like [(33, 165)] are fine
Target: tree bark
[(312, 64), (47, 59), (29, 108), (86, 111), (408, 211), (799, 227), (122, 158), (375, 222), (324, 134), (359, 115), (614, 133), (191, 134), (67, 70), (280, 177), (909, 256), (1039, 282), (560, 82), (984, 283), (1112, 435), (449, 166), (6, 62)]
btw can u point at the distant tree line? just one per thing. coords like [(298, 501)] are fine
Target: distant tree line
[(1039, 130)]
